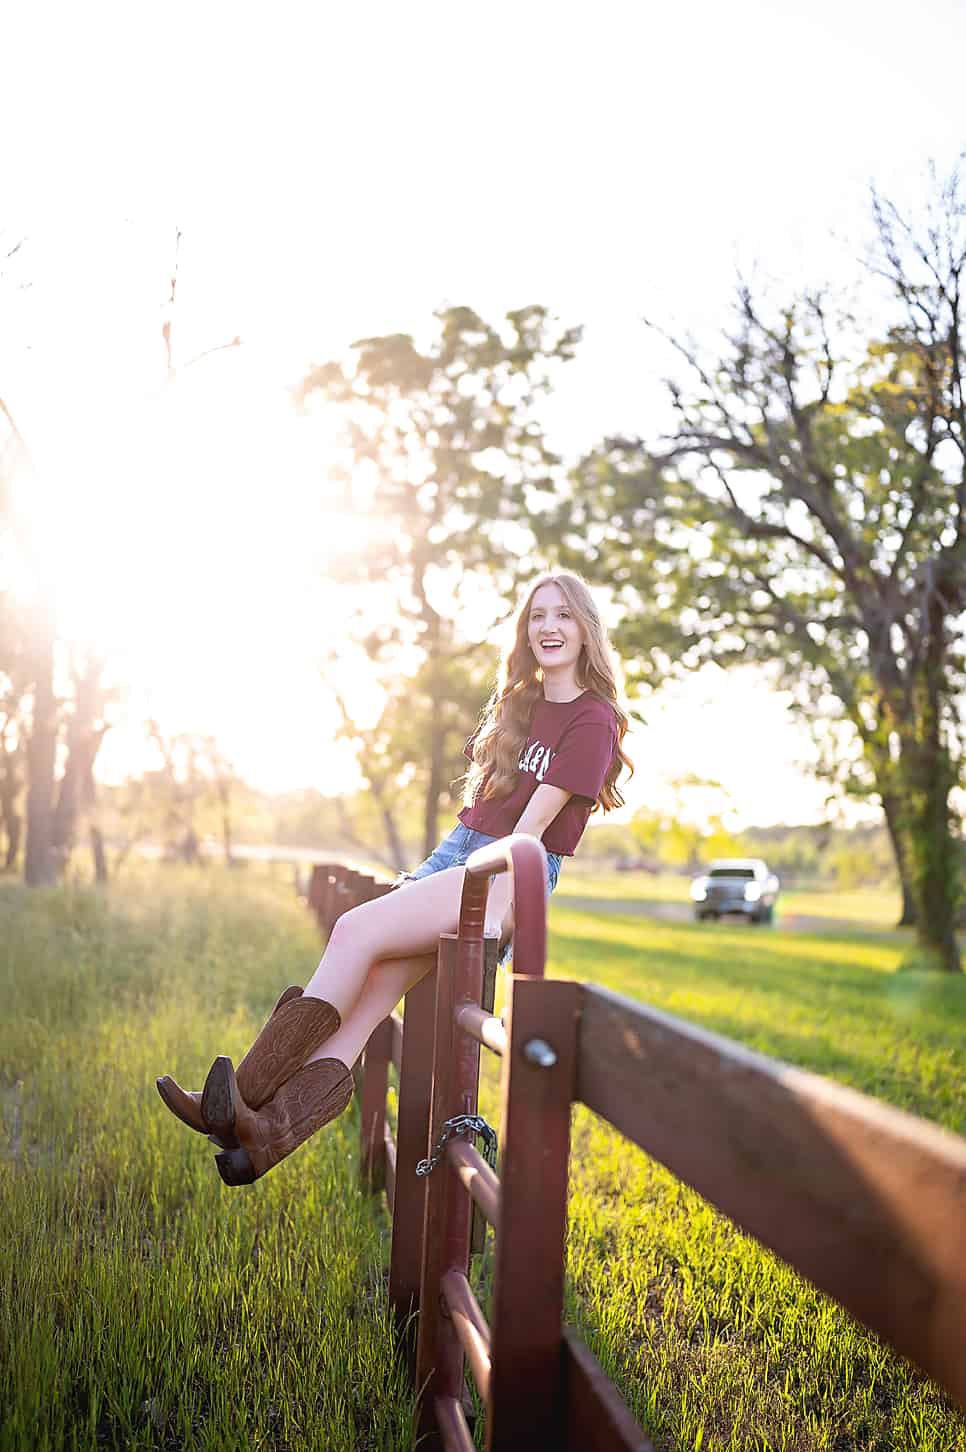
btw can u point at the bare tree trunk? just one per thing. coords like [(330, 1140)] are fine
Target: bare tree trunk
[(224, 800), (395, 841), (437, 755), (12, 824), (39, 866), (95, 835), (84, 737), (434, 790), (891, 809), (10, 785), (928, 777), (63, 817), (99, 855)]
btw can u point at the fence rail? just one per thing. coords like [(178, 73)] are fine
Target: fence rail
[(866, 1201)]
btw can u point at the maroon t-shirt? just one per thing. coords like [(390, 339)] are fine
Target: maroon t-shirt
[(571, 745)]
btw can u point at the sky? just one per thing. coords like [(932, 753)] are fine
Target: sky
[(337, 172)]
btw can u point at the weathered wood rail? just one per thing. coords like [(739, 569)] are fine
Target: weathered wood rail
[(866, 1201)]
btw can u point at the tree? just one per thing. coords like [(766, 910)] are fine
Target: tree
[(694, 828), (13, 723), (391, 751), (180, 788), (53, 805), (444, 457), (808, 511), (85, 728), (224, 781)]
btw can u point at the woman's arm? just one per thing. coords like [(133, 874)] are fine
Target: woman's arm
[(534, 820), (541, 809)]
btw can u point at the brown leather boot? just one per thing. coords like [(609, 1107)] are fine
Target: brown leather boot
[(282, 1047), (185, 1104), (316, 1095)]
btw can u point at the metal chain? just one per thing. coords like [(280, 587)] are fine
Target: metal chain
[(453, 1128)]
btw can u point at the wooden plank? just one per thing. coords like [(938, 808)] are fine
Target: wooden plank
[(412, 1128), (597, 1418), (490, 966), (491, 952), (390, 1154), (397, 1039), (429, 1381), (470, 1325), (446, 1226), (476, 1177), (866, 1201), (372, 1113), (526, 1382), (453, 1426), (320, 891)]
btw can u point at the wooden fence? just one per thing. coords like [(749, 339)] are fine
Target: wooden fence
[(866, 1201)]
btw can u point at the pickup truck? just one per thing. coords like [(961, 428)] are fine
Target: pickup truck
[(742, 885)]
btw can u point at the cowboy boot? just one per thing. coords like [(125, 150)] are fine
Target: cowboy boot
[(316, 1095), (185, 1104), (280, 1050)]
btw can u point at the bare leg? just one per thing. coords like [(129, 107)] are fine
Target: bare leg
[(388, 982), (401, 925)]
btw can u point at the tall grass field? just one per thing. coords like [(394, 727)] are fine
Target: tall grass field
[(143, 1304)]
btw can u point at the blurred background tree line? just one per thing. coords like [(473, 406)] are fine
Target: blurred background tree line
[(805, 512)]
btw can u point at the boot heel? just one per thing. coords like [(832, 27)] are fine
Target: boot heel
[(235, 1167), (218, 1102)]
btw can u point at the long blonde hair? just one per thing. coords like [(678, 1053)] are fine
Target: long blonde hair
[(505, 720)]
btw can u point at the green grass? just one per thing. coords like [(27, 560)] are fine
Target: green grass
[(142, 1303), (576, 880)]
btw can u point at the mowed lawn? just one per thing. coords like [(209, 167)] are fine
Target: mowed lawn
[(715, 1342), (142, 1303), (862, 907)]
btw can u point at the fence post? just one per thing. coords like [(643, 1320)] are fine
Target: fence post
[(372, 1111), (539, 1073), (412, 1134), (412, 1131), (320, 891), (446, 1222)]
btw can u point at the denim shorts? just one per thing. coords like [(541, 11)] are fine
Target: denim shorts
[(457, 847)]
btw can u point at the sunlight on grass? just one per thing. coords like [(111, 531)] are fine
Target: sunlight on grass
[(715, 1342), (144, 1304)]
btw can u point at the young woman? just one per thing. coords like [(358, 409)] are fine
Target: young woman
[(546, 753)]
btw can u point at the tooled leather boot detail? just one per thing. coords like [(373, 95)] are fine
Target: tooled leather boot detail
[(185, 1104), (280, 1050), (283, 1046), (313, 1097)]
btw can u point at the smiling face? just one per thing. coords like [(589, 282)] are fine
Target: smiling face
[(553, 633)]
